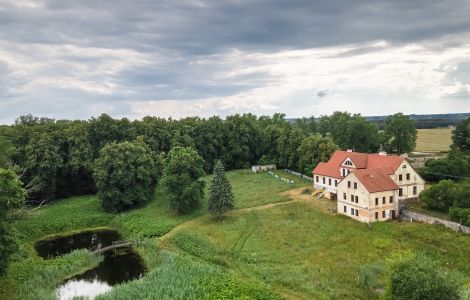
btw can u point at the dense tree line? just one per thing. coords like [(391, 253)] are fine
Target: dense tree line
[(59, 155)]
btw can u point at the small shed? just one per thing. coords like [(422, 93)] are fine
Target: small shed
[(259, 168)]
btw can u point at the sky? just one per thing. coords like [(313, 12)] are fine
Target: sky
[(77, 59)]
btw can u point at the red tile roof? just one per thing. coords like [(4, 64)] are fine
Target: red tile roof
[(375, 180), (373, 163)]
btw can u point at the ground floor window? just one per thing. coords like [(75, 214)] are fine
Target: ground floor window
[(415, 190), (357, 212), (376, 215), (400, 192), (352, 211), (345, 208), (383, 214)]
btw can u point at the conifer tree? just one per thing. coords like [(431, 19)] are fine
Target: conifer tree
[(220, 193)]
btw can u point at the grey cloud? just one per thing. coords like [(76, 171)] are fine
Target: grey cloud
[(322, 93)]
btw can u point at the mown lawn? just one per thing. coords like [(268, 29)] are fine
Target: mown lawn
[(292, 250), (434, 140)]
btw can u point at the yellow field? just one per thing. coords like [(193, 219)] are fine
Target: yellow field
[(434, 140)]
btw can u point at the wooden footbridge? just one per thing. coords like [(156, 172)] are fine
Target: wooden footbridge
[(114, 246)]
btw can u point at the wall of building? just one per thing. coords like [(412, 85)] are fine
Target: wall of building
[(407, 185), (359, 204), (329, 185)]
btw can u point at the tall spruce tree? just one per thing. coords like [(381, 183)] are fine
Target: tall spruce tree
[(220, 193)]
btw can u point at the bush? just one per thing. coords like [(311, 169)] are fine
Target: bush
[(7, 246), (126, 175), (460, 215), (420, 278), (440, 196)]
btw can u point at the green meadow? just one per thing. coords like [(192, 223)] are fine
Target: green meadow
[(277, 244)]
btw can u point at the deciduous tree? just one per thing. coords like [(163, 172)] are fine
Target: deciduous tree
[(400, 133), (126, 175), (182, 178)]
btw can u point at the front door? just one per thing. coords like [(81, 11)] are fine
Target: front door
[(393, 214)]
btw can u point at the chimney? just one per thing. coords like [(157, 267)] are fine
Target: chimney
[(383, 153), (349, 150)]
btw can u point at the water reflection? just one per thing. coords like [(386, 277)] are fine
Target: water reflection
[(118, 265)]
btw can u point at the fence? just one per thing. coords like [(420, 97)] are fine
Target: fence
[(299, 175), (414, 216), (281, 178)]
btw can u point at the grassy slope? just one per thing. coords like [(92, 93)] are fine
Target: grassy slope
[(143, 224), (434, 140), (306, 252), (294, 249)]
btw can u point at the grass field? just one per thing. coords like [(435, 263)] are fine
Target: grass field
[(434, 140), (288, 246)]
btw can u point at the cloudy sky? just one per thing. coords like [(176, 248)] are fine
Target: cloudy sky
[(76, 59)]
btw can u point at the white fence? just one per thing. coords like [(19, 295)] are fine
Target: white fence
[(281, 178), (299, 175)]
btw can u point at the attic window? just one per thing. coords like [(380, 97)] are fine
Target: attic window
[(404, 166)]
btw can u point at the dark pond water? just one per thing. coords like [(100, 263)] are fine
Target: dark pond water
[(118, 265)]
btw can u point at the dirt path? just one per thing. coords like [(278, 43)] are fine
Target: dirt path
[(293, 195)]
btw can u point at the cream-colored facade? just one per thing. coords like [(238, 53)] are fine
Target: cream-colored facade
[(408, 180), (355, 201), (326, 183)]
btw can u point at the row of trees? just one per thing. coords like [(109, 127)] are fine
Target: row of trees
[(60, 156)]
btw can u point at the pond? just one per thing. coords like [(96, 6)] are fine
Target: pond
[(118, 265)]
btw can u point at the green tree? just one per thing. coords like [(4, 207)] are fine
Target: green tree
[(314, 149), (12, 196), (419, 278), (7, 150), (362, 136), (183, 169), (220, 192), (126, 175), (400, 133), (43, 161), (461, 136)]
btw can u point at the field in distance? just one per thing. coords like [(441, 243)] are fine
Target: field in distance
[(434, 140)]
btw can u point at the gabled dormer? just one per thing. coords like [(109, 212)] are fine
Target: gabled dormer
[(346, 167), (348, 163)]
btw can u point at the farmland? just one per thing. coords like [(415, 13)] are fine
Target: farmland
[(278, 243), (434, 140)]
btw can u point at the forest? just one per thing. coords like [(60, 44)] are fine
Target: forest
[(55, 158)]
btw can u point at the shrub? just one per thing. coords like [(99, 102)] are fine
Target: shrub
[(440, 196), (126, 175), (461, 215), (420, 278)]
